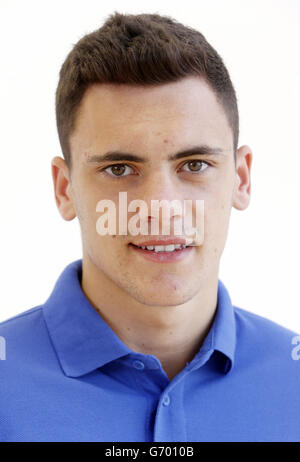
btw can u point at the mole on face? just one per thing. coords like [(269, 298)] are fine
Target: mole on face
[(166, 141)]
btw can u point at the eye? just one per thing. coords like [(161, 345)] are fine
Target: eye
[(195, 166), (118, 170)]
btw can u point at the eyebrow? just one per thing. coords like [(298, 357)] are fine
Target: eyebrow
[(127, 156)]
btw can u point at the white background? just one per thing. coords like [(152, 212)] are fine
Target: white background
[(259, 43)]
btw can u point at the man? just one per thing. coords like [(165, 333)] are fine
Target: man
[(139, 341)]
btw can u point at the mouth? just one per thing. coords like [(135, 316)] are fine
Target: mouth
[(170, 248), (171, 253)]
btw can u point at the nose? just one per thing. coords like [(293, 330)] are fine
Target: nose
[(164, 202), (161, 185)]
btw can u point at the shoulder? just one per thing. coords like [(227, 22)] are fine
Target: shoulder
[(253, 323), (267, 341), (21, 315), (22, 336), (21, 321)]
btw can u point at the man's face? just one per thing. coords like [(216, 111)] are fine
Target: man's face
[(153, 123)]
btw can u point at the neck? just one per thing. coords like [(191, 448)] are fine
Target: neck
[(173, 334)]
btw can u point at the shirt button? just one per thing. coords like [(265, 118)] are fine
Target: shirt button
[(138, 364), (166, 400)]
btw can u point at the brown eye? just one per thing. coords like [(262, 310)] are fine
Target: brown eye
[(117, 170), (195, 166)]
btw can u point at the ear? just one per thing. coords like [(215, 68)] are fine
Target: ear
[(62, 188), (242, 187)]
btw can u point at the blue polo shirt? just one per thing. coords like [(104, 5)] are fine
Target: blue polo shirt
[(67, 376)]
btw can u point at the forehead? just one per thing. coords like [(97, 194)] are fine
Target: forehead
[(140, 118)]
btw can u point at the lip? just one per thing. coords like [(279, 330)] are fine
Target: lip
[(163, 257), (167, 241)]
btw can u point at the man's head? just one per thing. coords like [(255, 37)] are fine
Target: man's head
[(149, 86), (145, 49)]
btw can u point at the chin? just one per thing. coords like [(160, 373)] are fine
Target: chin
[(164, 298)]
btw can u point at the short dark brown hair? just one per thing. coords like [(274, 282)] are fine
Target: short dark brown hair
[(142, 49)]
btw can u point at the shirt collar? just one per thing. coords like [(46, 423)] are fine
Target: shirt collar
[(83, 341), (222, 335)]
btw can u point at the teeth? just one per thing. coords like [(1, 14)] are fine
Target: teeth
[(164, 248), (159, 248), (170, 248)]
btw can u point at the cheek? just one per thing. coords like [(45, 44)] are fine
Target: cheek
[(87, 217), (216, 219), (87, 197)]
